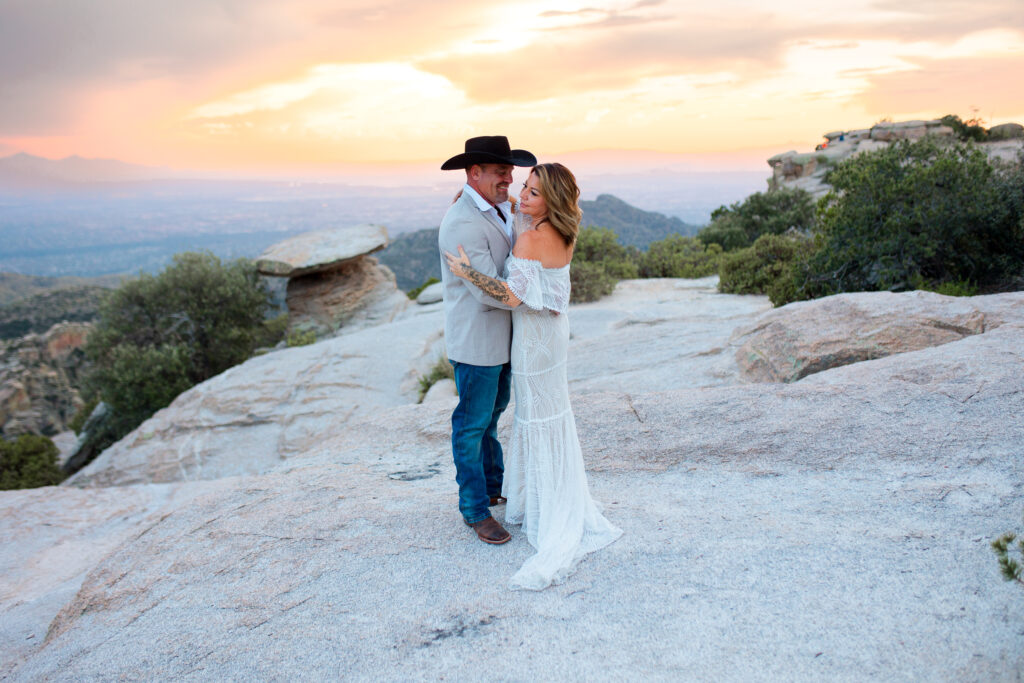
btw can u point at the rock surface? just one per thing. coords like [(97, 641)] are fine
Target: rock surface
[(275, 406), (431, 294), (39, 379), (272, 407), (810, 336), (836, 527)]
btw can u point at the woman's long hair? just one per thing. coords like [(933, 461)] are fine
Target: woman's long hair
[(562, 196)]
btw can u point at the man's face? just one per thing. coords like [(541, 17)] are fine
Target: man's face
[(491, 181)]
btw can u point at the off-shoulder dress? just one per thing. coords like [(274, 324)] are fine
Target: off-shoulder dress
[(545, 481)]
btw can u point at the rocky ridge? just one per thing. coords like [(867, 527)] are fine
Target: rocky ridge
[(833, 526), (806, 170)]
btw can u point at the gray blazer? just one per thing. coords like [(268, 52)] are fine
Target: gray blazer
[(477, 328)]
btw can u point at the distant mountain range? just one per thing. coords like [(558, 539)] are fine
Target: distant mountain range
[(413, 256), (27, 172)]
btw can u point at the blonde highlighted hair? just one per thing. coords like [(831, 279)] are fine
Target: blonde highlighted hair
[(558, 187)]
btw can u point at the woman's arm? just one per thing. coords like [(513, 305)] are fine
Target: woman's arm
[(493, 287)]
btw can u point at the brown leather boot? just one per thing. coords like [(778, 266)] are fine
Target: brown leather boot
[(489, 531)]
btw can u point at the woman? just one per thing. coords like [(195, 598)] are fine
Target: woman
[(545, 482)]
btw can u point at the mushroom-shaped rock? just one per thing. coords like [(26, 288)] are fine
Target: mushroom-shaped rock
[(332, 280), (321, 250)]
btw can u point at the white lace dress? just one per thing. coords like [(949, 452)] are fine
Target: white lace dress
[(545, 482)]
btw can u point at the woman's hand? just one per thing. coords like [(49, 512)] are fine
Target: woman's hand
[(492, 287), (459, 265)]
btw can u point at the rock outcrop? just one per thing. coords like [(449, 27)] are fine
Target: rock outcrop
[(332, 279), (39, 380), (806, 170), (834, 527)]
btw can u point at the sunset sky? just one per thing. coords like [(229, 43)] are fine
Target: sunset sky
[(261, 84)]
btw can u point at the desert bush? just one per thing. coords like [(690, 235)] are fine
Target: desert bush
[(441, 369), (300, 338), (970, 130), (775, 212), (924, 211), (766, 267), (590, 282), (599, 261), (28, 462), (953, 288), (272, 331), (159, 335), (678, 256), (1010, 566), (82, 414), (601, 246)]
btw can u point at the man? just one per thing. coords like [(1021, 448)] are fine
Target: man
[(477, 328)]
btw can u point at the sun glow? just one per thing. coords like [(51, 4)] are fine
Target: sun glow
[(339, 81)]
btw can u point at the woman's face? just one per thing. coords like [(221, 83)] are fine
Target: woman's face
[(531, 202)]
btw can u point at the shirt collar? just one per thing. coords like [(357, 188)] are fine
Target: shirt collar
[(483, 204)]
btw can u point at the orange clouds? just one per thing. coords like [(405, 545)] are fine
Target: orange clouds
[(957, 85), (255, 82)]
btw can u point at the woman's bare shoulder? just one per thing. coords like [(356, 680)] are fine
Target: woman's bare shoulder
[(544, 246)]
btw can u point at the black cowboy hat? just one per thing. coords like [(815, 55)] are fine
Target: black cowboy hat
[(489, 149)]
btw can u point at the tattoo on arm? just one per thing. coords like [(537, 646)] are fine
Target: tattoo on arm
[(490, 286)]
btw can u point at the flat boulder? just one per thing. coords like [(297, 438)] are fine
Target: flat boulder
[(807, 337), (321, 250), (1006, 131), (431, 294)]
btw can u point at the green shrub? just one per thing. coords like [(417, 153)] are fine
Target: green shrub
[(1004, 549), (416, 291), (953, 288), (159, 335), (28, 462), (766, 267), (740, 224), (599, 262), (678, 256), (590, 282), (441, 369), (83, 413), (914, 212), (272, 331), (301, 338), (969, 130), (601, 246)]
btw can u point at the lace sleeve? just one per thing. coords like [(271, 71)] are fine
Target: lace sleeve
[(524, 281)]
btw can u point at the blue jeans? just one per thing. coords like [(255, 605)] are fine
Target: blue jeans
[(479, 467)]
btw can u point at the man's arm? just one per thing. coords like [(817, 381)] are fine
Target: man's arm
[(493, 287)]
